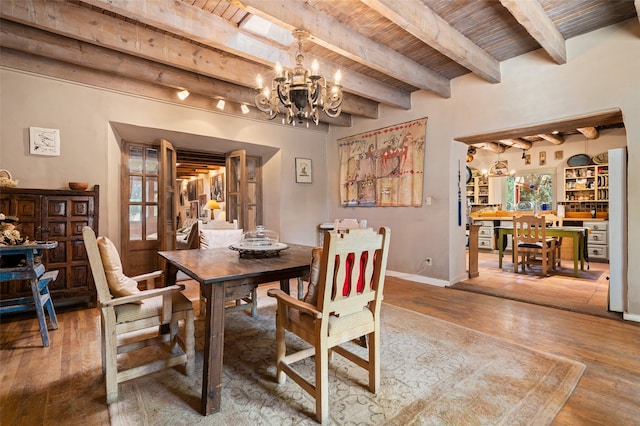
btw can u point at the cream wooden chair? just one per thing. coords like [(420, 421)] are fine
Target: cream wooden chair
[(148, 309), (555, 221), (349, 295), (339, 226), (529, 239)]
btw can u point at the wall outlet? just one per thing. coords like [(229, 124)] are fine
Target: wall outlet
[(427, 201), (428, 261)]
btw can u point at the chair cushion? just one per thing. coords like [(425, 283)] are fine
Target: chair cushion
[(535, 245), (312, 292), (151, 308), (119, 284), (337, 325)]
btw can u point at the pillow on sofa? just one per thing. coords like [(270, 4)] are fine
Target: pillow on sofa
[(119, 284)]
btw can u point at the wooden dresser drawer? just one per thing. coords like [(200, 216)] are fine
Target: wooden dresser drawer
[(597, 252), (596, 226), (485, 243), (598, 237)]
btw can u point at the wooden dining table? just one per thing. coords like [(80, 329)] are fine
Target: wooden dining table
[(577, 233), (224, 273)]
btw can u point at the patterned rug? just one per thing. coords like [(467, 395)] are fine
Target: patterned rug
[(433, 372)]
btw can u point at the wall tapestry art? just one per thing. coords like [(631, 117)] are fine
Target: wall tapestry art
[(383, 167)]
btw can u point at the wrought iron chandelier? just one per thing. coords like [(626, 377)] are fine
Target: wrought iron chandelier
[(301, 95)]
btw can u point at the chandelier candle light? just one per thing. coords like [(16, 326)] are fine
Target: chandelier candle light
[(301, 94)]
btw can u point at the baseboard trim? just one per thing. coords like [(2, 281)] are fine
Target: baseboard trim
[(631, 317), (419, 279)]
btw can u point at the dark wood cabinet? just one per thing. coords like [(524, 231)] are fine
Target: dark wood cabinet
[(56, 215)]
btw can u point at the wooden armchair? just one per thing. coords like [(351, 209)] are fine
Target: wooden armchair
[(349, 296), (530, 239), (133, 310)]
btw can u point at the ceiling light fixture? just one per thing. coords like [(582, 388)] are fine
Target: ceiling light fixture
[(183, 94), (220, 104), (244, 108), (301, 94), (499, 169)]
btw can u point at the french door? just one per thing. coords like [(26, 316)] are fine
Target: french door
[(148, 205), (244, 189)]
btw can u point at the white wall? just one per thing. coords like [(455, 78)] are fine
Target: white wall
[(602, 73), (90, 148)]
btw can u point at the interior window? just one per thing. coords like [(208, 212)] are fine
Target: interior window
[(531, 190)]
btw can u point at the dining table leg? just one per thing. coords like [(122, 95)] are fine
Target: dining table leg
[(213, 348), (284, 286), (576, 253)]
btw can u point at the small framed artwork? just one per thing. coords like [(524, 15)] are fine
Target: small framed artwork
[(303, 170), (559, 155), (193, 206), (543, 158), (44, 141), (202, 201), (527, 159)]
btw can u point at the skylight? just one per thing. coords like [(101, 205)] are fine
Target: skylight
[(264, 28)]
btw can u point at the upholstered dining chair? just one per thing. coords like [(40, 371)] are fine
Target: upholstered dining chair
[(530, 239), (125, 309), (343, 305)]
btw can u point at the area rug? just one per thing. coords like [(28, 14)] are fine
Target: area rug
[(432, 373)]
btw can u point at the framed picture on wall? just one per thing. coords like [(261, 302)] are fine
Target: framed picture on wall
[(217, 187), (199, 186), (303, 170), (543, 158), (202, 201), (193, 206), (44, 141), (191, 190)]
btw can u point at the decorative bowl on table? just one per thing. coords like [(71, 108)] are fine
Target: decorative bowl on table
[(259, 242), (78, 186)]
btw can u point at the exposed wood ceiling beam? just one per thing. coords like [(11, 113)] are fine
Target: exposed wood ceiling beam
[(516, 142), (418, 19), (562, 125), (491, 146), (30, 40), (106, 80), (344, 40), (589, 132), (64, 18), (550, 137), (534, 19), (211, 30)]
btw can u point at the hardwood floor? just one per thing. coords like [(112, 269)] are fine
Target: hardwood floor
[(588, 293), (62, 384)]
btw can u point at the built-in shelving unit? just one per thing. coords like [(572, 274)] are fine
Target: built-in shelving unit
[(478, 191), (586, 183)]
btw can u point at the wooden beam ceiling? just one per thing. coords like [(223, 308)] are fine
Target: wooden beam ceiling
[(418, 19), (532, 16), (385, 49), (344, 40)]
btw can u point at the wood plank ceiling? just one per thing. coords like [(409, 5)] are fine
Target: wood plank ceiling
[(385, 49)]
